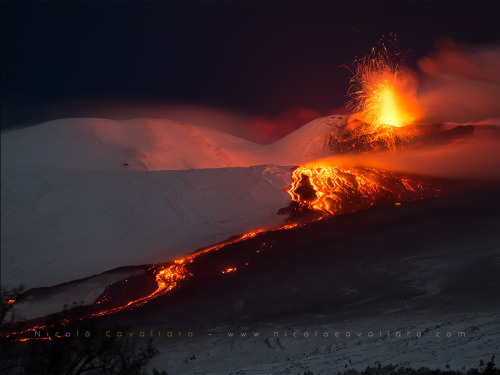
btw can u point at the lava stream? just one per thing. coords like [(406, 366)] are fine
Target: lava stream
[(169, 276)]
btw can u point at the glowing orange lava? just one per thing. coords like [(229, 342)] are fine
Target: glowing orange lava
[(334, 190), (168, 276)]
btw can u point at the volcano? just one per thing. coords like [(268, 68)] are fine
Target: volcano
[(164, 224)]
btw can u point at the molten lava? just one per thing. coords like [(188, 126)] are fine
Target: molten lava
[(334, 190), (383, 90), (166, 277)]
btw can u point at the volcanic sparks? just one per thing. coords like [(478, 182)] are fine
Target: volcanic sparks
[(383, 90)]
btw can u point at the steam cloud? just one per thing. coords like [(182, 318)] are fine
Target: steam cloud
[(461, 84), (473, 158)]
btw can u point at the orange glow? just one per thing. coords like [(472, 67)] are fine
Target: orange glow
[(333, 190), (383, 90), (35, 338), (290, 226), (11, 301), (229, 270)]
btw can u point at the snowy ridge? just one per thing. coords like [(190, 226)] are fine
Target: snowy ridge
[(141, 144), (148, 144)]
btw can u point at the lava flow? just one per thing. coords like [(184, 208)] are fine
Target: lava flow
[(326, 190), (334, 190), (167, 276)]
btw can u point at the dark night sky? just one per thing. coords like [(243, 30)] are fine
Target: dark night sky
[(259, 58)]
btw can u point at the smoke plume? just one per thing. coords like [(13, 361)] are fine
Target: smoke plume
[(473, 158), (461, 83)]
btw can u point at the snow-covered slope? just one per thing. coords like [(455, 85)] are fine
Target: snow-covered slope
[(61, 225)]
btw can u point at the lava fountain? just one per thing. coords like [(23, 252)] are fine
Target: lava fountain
[(383, 89)]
